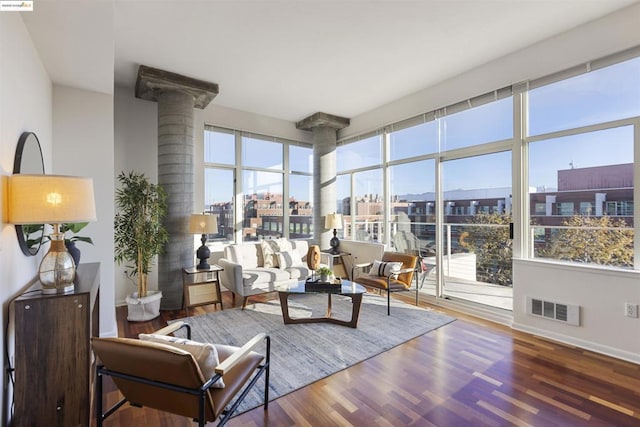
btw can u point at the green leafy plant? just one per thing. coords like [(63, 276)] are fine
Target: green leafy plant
[(139, 234), (64, 228), (324, 271)]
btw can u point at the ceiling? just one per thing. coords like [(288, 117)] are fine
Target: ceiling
[(291, 58)]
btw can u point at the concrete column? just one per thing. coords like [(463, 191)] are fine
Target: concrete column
[(324, 128), (176, 175), (176, 96)]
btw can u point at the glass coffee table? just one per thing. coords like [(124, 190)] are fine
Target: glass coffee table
[(346, 288)]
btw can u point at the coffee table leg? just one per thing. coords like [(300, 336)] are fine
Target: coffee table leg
[(356, 303), (284, 305), (356, 300)]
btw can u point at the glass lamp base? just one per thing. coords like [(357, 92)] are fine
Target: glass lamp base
[(57, 269), (63, 290)]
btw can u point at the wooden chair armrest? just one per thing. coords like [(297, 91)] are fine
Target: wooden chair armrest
[(174, 327), (231, 361)]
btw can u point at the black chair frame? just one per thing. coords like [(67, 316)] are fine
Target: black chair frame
[(201, 392)]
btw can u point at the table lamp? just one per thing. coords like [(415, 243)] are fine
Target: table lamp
[(334, 221), (203, 224), (52, 199)]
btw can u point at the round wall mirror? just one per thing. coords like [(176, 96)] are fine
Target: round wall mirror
[(28, 160)]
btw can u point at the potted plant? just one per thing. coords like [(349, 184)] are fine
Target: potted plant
[(139, 236), (324, 273), (70, 243)]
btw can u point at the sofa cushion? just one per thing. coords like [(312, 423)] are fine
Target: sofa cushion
[(269, 249), (298, 271), (284, 245), (205, 354), (256, 276), (289, 259), (244, 253), (382, 268), (302, 247)]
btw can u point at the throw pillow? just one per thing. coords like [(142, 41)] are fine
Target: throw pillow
[(289, 259), (384, 269), (284, 245), (205, 354), (269, 249)]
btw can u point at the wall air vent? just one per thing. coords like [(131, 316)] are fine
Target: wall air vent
[(566, 313)]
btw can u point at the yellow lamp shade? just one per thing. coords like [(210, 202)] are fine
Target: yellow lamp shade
[(52, 199), (333, 220), (203, 224)]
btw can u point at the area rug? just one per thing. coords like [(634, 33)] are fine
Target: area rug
[(304, 353)]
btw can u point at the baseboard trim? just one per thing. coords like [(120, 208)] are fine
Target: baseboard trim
[(576, 342), (496, 315)]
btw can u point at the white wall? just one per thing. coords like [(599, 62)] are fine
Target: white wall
[(600, 293), (83, 140), (25, 105), (135, 149), (610, 34)]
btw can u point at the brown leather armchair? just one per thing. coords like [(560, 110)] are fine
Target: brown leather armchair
[(396, 281), (169, 379)]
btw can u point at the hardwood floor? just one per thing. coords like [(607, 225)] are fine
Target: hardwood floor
[(470, 372)]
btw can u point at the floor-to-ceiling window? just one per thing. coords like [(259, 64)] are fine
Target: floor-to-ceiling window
[(476, 246), (247, 187), (300, 192), (219, 178), (572, 137), (582, 133), (359, 168), (562, 147)]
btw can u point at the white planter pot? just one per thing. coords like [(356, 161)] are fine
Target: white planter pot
[(143, 308)]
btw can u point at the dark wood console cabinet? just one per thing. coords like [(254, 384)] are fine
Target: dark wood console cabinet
[(54, 364)]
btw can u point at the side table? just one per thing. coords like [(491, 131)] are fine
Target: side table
[(201, 287), (334, 262)]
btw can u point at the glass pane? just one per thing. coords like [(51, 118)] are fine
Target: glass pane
[(343, 204), (261, 154), (477, 258), (300, 159), (369, 208), (367, 152), (300, 206), (600, 96), (583, 197), (413, 215), (219, 191), (486, 123), (414, 141), (263, 208), (219, 147)]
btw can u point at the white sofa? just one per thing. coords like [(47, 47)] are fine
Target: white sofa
[(245, 273)]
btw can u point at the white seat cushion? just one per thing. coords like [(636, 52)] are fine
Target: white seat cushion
[(256, 276)]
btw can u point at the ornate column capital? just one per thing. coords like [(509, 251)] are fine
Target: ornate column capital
[(152, 81)]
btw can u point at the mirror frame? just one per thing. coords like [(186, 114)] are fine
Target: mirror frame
[(17, 168)]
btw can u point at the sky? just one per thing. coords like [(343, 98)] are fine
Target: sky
[(602, 95)]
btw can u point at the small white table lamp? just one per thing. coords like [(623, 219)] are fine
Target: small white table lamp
[(52, 199), (203, 224)]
